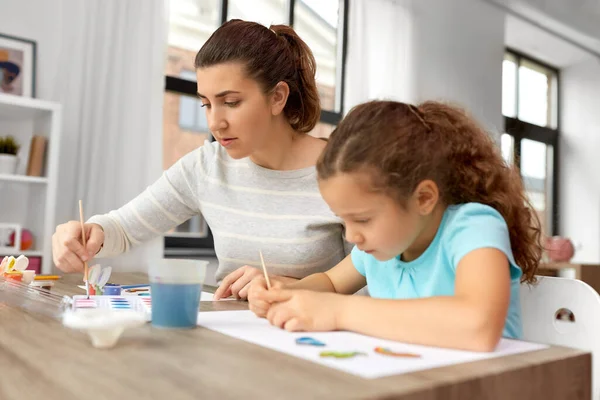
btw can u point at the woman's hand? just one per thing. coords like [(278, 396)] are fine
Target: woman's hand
[(68, 252), (237, 283)]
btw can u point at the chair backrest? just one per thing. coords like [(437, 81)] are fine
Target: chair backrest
[(563, 312)]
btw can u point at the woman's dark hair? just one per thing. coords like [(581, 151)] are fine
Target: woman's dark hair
[(269, 55)]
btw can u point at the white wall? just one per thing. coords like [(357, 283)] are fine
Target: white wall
[(458, 50), (415, 50), (576, 20), (579, 161)]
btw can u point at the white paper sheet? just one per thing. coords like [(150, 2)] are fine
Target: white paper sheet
[(206, 296), (246, 326)]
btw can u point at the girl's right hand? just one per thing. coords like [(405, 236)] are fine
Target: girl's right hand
[(68, 252), (259, 285)]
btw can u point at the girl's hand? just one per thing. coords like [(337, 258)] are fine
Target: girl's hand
[(302, 310), (257, 287)]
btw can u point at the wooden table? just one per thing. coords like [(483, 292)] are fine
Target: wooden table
[(41, 359)]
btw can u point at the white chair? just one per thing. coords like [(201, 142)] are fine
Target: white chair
[(544, 303)]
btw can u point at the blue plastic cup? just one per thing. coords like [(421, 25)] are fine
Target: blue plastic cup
[(175, 286)]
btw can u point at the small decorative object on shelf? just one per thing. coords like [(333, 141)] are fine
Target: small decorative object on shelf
[(559, 249), (26, 239), (37, 153), (8, 155), (6, 230)]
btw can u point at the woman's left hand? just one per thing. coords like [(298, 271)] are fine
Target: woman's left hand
[(303, 310), (237, 283)]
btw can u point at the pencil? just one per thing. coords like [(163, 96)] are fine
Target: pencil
[(46, 278), (85, 266), (262, 260)]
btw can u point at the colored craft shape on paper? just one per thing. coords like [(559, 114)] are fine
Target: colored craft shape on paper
[(306, 340), (341, 354), (388, 352)]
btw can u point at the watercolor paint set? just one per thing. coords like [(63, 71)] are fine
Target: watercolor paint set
[(141, 304)]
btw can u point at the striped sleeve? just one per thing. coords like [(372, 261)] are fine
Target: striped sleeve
[(168, 202)]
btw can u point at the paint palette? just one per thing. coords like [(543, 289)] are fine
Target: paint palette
[(136, 303)]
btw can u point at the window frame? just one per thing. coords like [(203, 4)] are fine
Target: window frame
[(524, 130), (177, 246), (184, 87)]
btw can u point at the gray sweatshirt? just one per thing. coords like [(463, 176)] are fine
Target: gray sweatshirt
[(247, 207)]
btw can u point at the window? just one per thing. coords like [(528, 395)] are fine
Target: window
[(191, 113), (530, 108), (322, 24), (316, 21), (191, 22), (182, 122), (507, 144), (266, 12), (322, 130)]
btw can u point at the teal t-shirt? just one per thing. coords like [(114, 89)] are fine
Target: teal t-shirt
[(464, 228)]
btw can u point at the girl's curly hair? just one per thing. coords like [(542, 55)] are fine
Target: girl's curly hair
[(402, 145)]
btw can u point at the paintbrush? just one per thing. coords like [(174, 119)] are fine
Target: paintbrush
[(85, 265), (262, 260)]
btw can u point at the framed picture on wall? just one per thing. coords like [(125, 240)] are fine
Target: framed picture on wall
[(17, 66)]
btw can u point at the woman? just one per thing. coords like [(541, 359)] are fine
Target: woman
[(255, 186)]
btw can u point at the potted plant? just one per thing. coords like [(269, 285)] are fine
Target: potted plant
[(8, 155)]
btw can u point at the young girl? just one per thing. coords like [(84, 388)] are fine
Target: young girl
[(443, 233), (255, 186)]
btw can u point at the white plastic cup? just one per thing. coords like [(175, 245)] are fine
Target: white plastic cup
[(176, 285)]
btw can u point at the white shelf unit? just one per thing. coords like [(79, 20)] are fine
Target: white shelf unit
[(23, 179), (28, 200)]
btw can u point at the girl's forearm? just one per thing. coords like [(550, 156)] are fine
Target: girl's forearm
[(286, 279), (318, 282), (436, 321)]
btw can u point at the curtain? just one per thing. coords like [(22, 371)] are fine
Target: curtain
[(379, 59), (110, 82)]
